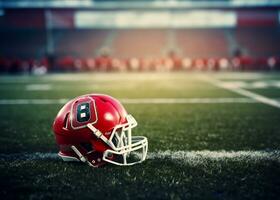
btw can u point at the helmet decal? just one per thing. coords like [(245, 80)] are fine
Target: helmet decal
[(83, 111)]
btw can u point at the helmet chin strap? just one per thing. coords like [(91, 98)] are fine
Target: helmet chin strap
[(98, 134), (82, 158)]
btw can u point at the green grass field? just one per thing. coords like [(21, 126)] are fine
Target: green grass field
[(205, 142)]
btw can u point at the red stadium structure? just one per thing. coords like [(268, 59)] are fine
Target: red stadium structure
[(128, 36)]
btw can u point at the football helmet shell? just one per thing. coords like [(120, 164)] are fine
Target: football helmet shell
[(96, 129)]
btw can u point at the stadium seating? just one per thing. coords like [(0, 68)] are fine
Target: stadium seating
[(83, 49), (82, 42), (23, 43), (202, 43), (139, 43), (259, 41)]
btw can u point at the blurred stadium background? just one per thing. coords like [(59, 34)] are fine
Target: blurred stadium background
[(85, 35), (212, 135)]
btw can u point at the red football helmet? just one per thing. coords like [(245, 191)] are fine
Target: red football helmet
[(96, 129)]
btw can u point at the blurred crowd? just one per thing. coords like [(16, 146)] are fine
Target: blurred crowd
[(107, 63)]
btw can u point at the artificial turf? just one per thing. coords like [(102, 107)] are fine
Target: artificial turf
[(174, 127)]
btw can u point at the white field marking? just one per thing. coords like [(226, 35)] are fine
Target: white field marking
[(29, 156), (240, 76), (100, 77), (276, 84), (251, 85), (183, 157), (105, 77), (259, 84), (135, 101), (201, 157), (186, 100), (38, 87), (244, 92), (241, 84), (32, 101), (234, 84)]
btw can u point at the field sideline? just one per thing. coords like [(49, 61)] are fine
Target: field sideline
[(211, 136)]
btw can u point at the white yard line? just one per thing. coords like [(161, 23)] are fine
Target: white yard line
[(243, 92), (200, 157), (38, 87), (240, 76), (135, 101), (183, 157), (186, 100), (32, 101), (253, 85)]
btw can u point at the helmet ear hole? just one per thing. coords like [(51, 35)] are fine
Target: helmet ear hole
[(87, 146), (65, 121)]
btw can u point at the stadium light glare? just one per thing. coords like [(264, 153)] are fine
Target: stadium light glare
[(150, 19), (2, 12)]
